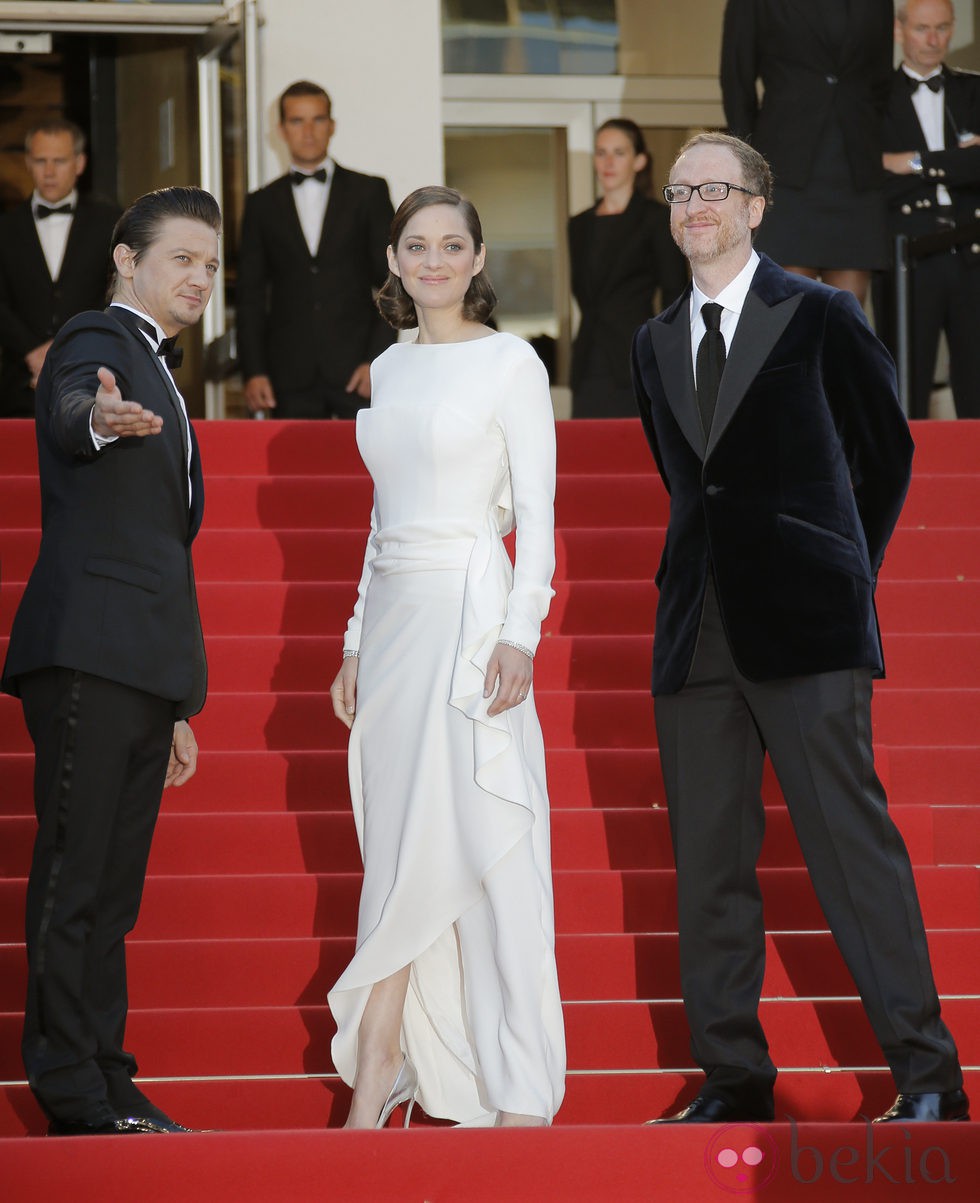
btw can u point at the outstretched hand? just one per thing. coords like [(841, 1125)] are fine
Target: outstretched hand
[(112, 417)]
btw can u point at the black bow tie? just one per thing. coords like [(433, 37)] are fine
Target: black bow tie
[(43, 211), (170, 353), (300, 177), (934, 83)]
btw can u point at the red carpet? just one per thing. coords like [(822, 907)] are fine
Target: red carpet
[(250, 904)]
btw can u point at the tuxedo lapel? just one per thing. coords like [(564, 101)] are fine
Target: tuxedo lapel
[(281, 192), (336, 203), (128, 320), (759, 328), (35, 264), (671, 340)]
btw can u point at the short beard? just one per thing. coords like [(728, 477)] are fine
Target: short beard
[(728, 236)]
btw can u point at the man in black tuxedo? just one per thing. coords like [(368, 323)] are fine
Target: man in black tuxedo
[(771, 411), (931, 138), (54, 250), (312, 252), (106, 651)]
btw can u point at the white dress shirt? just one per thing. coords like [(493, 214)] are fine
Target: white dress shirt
[(731, 298), (311, 200), (53, 230), (930, 108)]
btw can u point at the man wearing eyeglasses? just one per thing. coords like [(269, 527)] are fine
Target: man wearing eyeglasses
[(772, 414)]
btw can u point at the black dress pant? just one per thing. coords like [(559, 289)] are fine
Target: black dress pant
[(713, 736), (101, 755), (320, 400), (945, 297)]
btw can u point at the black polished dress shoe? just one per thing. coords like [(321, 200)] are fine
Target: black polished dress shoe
[(708, 1110), (148, 1123), (100, 1121), (947, 1106)]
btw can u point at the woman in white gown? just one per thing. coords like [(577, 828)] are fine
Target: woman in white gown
[(452, 995)]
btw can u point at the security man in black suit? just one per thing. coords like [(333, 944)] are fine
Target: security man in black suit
[(106, 652), (932, 157), (312, 253), (54, 251)]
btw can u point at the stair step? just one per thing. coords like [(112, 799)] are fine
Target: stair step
[(638, 499), (196, 972), (626, 553), (586, 901), (579, 608), (600, 1036), (290, 663), (595, 718), (322, 842)]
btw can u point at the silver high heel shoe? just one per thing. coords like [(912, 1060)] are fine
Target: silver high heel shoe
[(403, 1091)]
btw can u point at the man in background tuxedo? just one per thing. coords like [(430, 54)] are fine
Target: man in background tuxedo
[(312, 252), (931, 137), (54, 252), (771, 411), (106, 652)]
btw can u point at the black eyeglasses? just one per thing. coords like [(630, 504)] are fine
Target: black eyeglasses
[(677, 194)]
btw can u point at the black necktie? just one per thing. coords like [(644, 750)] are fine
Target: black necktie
[(300, 177), (43, 211), (710, 363), (934, 83)]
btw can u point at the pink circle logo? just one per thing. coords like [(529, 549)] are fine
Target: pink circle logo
[(741, 1158)]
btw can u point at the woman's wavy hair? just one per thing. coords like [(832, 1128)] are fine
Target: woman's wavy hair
[(393, 302)]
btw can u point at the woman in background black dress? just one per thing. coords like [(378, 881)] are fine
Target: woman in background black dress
[(826, 69), (621, 254)]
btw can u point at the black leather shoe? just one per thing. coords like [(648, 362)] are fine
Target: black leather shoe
[(101, 1121), (147, 1123), (708, 1110), (130, 1103), (945, 1106)]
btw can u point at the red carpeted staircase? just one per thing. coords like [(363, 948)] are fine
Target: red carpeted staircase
[(250, 904)]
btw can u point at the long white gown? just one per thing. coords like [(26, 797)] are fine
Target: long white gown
[(450, 805)]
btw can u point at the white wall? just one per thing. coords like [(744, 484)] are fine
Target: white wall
[(380, 60)]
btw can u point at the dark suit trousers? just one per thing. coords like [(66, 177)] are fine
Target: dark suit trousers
[(101, 755), (945, 296), (321, 401), (817, 730)]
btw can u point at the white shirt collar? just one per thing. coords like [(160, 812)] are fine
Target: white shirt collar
[(732, 296), (161, 333), (913, 74)]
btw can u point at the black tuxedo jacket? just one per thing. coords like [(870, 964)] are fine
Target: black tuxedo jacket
[(613, 302), (112, 593), (807, 83), (33, 307), (303, 315), (792, 499), (912, 206)]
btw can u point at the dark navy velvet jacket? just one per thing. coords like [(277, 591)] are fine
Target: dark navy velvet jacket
[(793, 498)]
